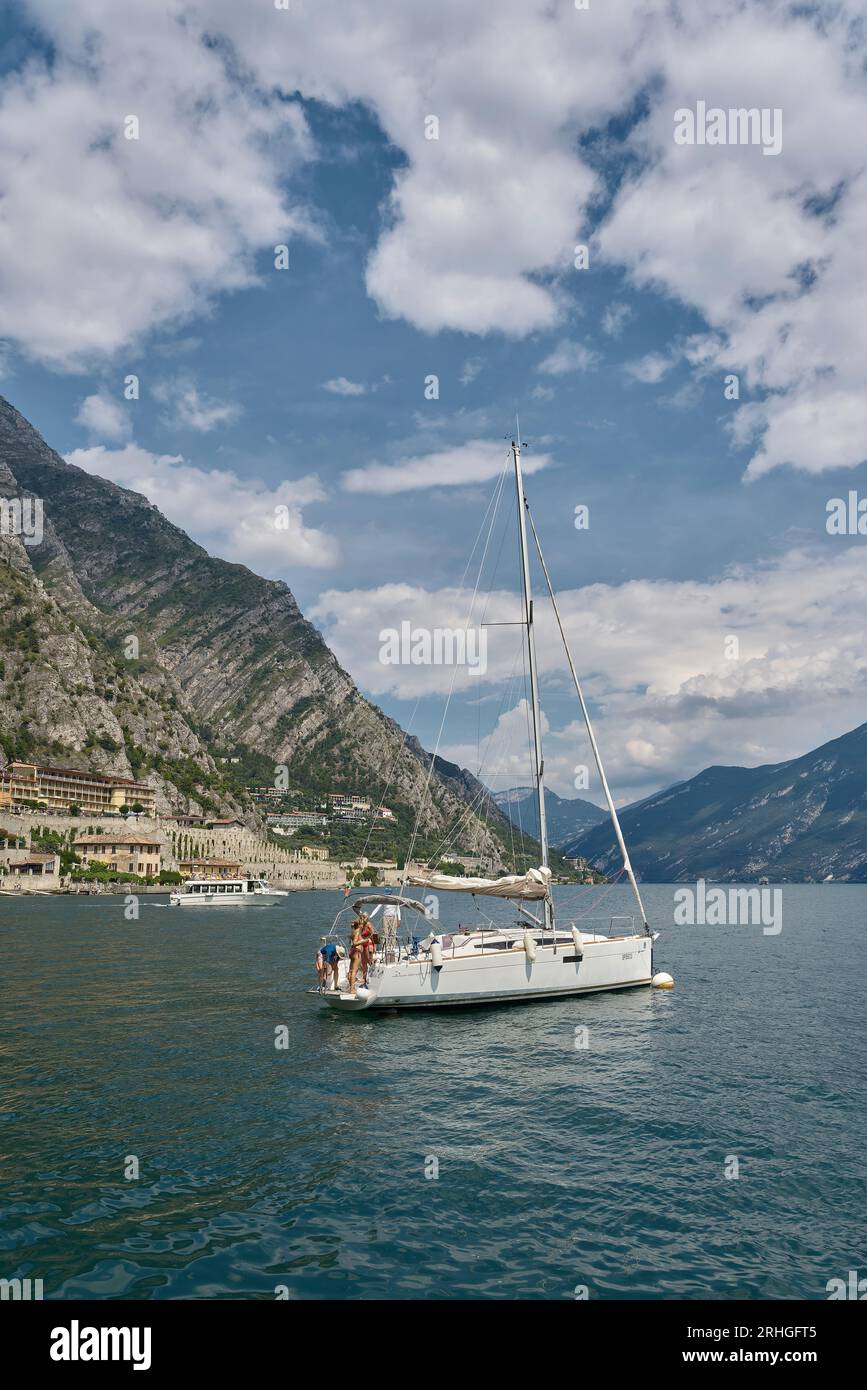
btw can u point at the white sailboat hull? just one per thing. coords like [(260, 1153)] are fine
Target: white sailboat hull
[(498, 977)]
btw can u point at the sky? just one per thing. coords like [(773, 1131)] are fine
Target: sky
[(285, 222)]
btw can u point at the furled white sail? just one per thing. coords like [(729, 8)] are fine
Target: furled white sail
[(532, 886)]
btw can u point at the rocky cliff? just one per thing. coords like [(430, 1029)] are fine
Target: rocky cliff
[(128, 648)]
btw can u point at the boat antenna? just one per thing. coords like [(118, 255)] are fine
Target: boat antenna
[(539, 761), (593, 744)]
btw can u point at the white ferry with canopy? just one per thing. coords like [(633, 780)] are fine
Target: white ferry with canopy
[(224, 892)]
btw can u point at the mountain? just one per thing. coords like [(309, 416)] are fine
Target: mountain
[(226, 662), (799, 820), (567, 818)]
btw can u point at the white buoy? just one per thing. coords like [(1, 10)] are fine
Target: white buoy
[(436, 954), (578, 943), (529, 946), (662, 980)]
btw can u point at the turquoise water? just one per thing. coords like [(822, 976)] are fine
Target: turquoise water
[(305, 1168)]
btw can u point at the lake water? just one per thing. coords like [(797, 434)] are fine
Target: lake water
[(558, 1166)]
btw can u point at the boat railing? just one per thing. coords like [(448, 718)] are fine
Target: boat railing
[(618, 924)]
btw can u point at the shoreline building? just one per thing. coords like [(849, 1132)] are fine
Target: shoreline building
[(200, 866), (62, 787), (290, 821), (315, 852), (22, 867), (350, 806), (133, 854)]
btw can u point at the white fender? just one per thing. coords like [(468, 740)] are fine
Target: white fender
[(662, 980), (578, 943), (529, 946), (436, 955)]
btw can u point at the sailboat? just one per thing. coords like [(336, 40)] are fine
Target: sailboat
[(535, 957)]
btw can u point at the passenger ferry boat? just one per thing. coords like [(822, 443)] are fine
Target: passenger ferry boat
[(224, 892)]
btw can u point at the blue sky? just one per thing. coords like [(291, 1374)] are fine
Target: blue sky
[(411, 257)]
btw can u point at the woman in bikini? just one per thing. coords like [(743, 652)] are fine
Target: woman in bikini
[(357, 952), (361, 948), (369, 940)]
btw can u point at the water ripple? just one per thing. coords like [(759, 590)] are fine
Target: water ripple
[(480, 1154)]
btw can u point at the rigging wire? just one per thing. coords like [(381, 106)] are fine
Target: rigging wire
[(483, 795), (493, 506), (593, 744), (391, 774)]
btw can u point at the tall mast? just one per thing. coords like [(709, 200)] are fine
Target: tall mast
[(539, 760)]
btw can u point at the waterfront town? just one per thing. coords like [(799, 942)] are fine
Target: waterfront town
[(66, 830)]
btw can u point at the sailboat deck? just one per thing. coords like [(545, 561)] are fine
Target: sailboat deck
[(472, 944)]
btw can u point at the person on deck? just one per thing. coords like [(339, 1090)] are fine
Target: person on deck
[(390, 927), (331, 961), (356, 951), (361, 949), (370, 941)]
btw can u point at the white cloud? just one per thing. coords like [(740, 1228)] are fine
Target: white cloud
[(666, 699), (615, 318), (743, 238), (470, 370), (684, 398), (190, 409), (699, 351), (105, 417), (649, 369), (503, 754), (178, 347), (103, 238), (342, 386), (477, 461), (236, 518), (568, 356), (107, 238)]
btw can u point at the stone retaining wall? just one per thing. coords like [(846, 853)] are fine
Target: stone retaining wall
[(285, 868)]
